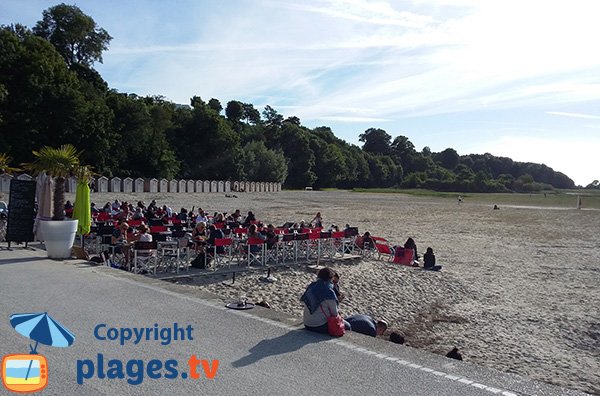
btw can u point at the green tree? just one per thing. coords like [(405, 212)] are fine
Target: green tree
[(448, 158), (44, 103), (295, 144), (234, 111), (215, 105), (251, 115), (330, 163), (74, 34), (376, 141), (272, 117), (206, 145), (260, 163), (196, 102)]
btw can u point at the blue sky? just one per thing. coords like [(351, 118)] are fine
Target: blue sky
[(513, 78)]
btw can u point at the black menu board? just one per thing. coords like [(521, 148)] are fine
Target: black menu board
[(21, 211)]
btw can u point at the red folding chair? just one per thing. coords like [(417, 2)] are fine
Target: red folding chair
[(383, 248), (221, 253), (403, 256), (156, 229)]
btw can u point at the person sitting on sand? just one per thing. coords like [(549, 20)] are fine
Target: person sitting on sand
[(429, 261), (320, 302), (336, 287), (365, 324), (410, 244)]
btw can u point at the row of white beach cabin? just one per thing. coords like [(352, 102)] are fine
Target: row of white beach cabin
[(129, 185)]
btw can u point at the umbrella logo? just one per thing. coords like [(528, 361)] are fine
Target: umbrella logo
[(29, 372)]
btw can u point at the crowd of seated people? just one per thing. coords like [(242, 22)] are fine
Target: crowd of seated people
[(196, 223)]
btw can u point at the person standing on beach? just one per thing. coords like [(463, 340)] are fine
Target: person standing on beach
[(317, 221)]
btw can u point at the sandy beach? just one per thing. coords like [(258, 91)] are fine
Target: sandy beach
[(518, 291)]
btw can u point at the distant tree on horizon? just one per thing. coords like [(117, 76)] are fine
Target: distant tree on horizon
[(74, 34)]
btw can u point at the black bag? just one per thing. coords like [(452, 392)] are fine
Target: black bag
[(199, 261)]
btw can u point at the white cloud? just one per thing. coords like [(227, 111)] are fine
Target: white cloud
[(574, 115)]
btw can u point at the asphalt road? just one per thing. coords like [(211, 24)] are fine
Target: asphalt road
[(258, 351)]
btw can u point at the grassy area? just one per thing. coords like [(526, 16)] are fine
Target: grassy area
[(416, 192), (557, 198)]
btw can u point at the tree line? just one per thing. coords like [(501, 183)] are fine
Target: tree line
[(50, 94)]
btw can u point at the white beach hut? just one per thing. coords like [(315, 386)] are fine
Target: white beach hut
[(206, 186), (227, 186), (220, 186), (213, 186), (128, 185), (151, 185), (182, 186), (173, 186), (199, 186), (102, 184), (115, 184), (163, 185), (138, 185)]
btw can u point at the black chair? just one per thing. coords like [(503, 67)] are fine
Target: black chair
[(351, 232), (157, 237)]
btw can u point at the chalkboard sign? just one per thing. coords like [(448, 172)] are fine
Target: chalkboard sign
[(21, 211)]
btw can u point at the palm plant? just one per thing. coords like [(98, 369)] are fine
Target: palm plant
[(4, 167), (58, 163), (84, 172)]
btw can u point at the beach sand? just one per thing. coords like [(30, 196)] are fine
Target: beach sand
[(519, 290)]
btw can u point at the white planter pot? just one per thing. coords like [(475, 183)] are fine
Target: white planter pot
[(58, 237)]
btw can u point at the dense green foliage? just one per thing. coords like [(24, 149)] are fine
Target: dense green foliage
[(50, 94)]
